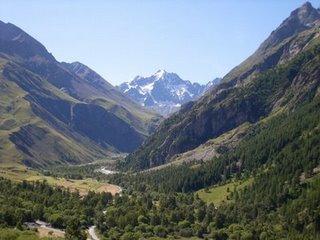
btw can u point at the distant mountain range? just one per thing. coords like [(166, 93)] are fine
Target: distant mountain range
[(59, 113), (164, 92)]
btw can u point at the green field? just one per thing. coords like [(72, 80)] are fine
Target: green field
[(16, 172), (219, 194), (15, 234)]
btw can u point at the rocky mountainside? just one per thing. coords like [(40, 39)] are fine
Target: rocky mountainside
[(54, 112), (279, 46), (163, 92), (282, 74)]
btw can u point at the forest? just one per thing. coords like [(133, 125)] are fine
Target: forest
[(31, 201), (283, 201)]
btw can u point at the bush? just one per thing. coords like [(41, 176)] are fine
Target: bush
[(160, 231), (186, 232), (184, 224)]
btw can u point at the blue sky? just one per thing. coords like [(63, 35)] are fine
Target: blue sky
[(199, 40)]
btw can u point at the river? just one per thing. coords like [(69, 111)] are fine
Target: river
[(91, 231), (106, 171)]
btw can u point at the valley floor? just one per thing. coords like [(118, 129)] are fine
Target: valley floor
[(21, 173)]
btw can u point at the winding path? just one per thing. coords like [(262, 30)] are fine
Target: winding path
[(92, 233)]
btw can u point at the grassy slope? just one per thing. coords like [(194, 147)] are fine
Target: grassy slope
[(15, 234), (15, 112), (219, 194)]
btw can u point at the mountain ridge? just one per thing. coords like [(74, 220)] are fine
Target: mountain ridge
[(236, 100), (44, 104)]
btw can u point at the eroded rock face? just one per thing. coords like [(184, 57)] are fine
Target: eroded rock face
[(89, 120)]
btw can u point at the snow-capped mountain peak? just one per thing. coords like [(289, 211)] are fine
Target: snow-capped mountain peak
[(163, 91), (160, 74)]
